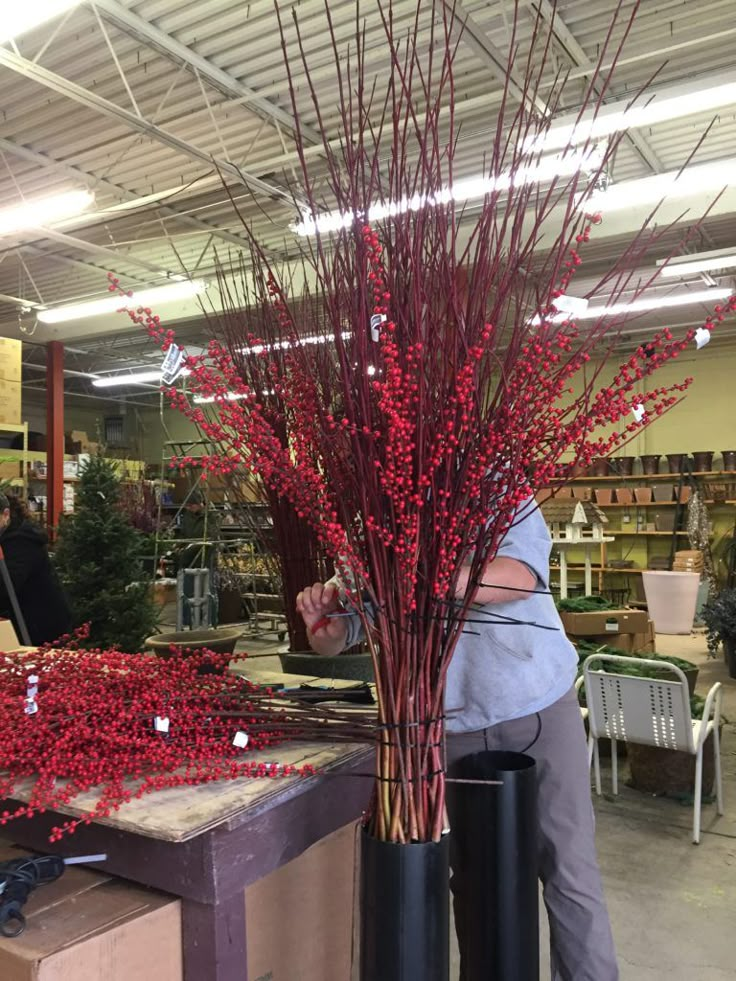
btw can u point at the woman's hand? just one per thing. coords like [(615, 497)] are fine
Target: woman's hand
[(327, 635)]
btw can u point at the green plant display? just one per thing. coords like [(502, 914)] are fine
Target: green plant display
[(719, 616)]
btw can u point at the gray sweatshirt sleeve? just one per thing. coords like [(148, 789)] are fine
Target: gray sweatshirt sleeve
[(528, 541)]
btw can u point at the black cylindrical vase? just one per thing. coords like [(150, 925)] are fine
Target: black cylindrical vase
[(495, 866), (405, 911)]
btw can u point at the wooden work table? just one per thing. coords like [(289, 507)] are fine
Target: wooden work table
[(205, 844)]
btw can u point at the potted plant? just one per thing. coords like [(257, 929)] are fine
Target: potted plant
[(719, 616)]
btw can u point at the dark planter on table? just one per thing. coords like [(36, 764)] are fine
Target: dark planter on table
[(220, 640), (495, 871), (650, 463), (405, 911), (675, 462), (622, 466), (353, 667), (729, 460)]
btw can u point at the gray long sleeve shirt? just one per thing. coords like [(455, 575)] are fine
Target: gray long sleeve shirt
[(509, 670)]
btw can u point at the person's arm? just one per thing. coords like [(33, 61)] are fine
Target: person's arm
[(326, 635), (521, 566)]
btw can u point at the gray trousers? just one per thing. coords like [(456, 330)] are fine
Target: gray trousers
[(581, 942)]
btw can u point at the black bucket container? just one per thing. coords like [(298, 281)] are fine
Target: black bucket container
[(405, 911), (495, 867)]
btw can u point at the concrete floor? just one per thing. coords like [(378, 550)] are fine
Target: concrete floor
[(672, 903)]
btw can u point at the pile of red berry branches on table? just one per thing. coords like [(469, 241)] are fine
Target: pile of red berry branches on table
[(121, 726), (420, 370)]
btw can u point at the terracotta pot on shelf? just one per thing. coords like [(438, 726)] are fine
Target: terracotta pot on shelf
[(622, 466), (676, 461), (599, 467), (650, 463), (703, 461), (686, 492), (582, 493), (563, 493), (603, 495), (729, 460), (663, 492), (624, 495), (578, 470), (643, 495)]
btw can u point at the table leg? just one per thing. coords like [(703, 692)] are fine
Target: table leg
[(213, 938)]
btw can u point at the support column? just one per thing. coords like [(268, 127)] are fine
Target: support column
[(54, 433)]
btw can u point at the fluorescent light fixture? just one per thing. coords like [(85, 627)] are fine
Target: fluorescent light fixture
[(44, 211), (687, 265), (707, 178), (671, 102), (133, 378), (114, 302), (641, 305), (21, 17), (286, 345), (468, 189)]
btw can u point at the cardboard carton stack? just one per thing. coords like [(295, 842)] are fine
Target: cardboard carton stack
[(688, 561), (10, 360), (630, 630)]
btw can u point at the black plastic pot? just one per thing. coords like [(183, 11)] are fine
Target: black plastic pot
[(405, 911), (495, 869), (729, 649)]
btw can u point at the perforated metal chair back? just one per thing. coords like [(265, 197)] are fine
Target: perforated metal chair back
[(639, 710)]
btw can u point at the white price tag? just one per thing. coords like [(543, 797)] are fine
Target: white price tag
[(376, 320), (702, 337), (32, 679), (161, 723), (240, 739), (31, 707), (32, 691), (612, 626), (173, 364), (638, 412)]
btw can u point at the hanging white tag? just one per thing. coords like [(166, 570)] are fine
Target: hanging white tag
[(32, 679), (161, 723), (376, 320), (173, 364), (574, 305), (240, 739), (638, 412), (30, 707), (32, 691), (702, 337)]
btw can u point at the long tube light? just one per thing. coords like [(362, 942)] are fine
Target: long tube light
[(44, 211), (132, 378), (700, 262), (112, 303), (21, 17), (642, 305), (468, 189), (698, 179), (659, 106)]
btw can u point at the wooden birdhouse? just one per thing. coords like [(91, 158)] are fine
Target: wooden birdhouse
[(571, 521)]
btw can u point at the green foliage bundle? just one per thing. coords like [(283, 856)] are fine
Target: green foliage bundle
[(98, 556)]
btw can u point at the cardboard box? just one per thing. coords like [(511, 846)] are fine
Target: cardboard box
[(10, 359), (88, 926), (299, 919), (10, 401), (8, 637), (605, 623), (642, 642)]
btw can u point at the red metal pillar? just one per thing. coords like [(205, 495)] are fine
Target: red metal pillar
[(54, 433)]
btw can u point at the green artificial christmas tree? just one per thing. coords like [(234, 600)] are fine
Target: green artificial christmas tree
[(99, 558)]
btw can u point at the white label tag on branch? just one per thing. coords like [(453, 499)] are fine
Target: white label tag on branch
[(31, 707), (574, 305), (376, 320), (32, 679), (702, 337), (240, 739), (173, 364), (638, 412), (32, 691), (161, 723)]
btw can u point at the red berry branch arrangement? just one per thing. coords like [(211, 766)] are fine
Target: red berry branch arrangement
[(447, 383)]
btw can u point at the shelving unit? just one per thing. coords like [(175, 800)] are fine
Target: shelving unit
[(634, 542)]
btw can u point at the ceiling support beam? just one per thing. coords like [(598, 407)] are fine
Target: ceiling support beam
[(62, 86)]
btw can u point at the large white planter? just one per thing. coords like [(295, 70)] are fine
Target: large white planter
[(671, 598)]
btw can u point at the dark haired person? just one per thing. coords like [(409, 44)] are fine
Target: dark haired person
[(40, 596)]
